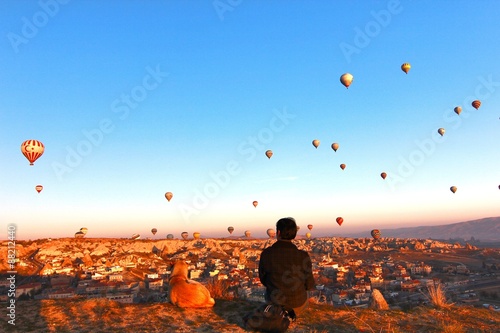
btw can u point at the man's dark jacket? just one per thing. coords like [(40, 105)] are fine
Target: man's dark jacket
[(286, 272)]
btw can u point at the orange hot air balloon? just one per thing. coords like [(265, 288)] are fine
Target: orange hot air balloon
[(375, 233), (79, 234), (230, 229), (184, 235), (453, 189), (309, 226), (136, 236), (255, 203), (168, 196), (154, 231), (335, 146), (84, 230), (271, 233), (39, 188), (405, 67), (476, 104), (342, 166), (383, 175), (458, 110), (196, 235), (248, 233), (269, 153), (346, 79), (315, 143), (32, 150), (308, 235), (441, 131), (340, 220)]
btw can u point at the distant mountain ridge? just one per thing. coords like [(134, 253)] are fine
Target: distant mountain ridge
[(486, 229)]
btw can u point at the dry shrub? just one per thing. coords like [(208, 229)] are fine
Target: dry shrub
[(437, 296), (219, 288), (451, 327)]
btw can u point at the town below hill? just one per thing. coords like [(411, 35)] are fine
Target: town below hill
[(346, 270)]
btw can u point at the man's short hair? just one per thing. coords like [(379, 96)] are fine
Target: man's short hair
[(287, 228)]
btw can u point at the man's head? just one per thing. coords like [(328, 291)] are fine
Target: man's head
[(286, 228)]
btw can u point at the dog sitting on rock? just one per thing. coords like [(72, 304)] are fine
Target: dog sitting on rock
[(187, 293)]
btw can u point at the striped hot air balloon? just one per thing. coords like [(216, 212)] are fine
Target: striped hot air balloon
[(32, 150), (39, 188), (476, 104)]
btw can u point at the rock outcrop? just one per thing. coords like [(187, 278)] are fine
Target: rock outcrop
[(377, 301)]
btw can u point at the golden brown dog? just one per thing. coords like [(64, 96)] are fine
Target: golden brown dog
[(187, 293)]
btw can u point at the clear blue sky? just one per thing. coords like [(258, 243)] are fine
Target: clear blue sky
[(133, 99)]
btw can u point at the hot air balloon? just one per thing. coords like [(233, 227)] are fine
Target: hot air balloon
[(476, 104), (310, 226), (169, 195), (79, 234), (153, 231), (170, 236), (346, 79), (315, 143), (308, 235), (441, 131), (383, 175), (453, 189), (184, 235), (84, 230), (230, 229), (39, 188), (32, 150), (339, 220), (196, 235), (269, 153), (457, 110), (255, 203), (136, 236), (342, 166), (405, 67), (335, 146), (248, 233), (271, 233), (375, 233)]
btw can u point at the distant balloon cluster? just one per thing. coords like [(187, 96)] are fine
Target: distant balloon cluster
[(34, 149)]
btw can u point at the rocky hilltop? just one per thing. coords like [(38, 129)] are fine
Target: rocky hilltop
[(123, 252), (486, 229)]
